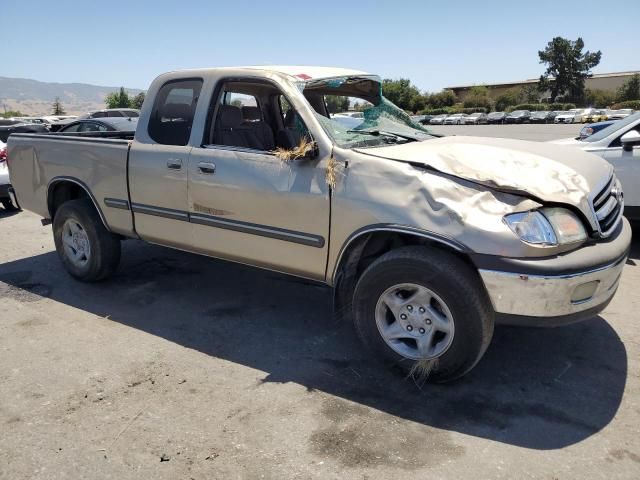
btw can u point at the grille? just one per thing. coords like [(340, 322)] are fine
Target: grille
[(608, 206)]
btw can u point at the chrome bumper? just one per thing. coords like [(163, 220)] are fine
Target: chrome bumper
[(538, 300)]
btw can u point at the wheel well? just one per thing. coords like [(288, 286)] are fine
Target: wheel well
[(366, 248), (61, 192)]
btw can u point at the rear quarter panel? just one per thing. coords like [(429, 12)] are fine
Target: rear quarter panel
[(38, 161)]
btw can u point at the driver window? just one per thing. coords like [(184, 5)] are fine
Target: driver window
[(245, 115)]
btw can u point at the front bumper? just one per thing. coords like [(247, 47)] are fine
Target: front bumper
[(559, 298)]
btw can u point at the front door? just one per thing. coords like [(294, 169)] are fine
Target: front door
[(246, 204)]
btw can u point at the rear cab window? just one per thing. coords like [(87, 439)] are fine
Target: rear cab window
[(173, 110)]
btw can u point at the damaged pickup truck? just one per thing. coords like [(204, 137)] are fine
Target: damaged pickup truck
[(426, 241)]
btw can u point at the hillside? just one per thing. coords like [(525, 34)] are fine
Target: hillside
[(32, 97)]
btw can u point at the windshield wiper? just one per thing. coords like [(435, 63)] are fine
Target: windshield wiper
[(377, 133)]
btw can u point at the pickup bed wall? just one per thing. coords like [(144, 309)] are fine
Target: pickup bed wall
[(39, 161)]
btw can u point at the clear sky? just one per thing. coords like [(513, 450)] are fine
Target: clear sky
[(435, 44)]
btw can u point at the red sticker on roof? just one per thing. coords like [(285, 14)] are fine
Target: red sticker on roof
[(303, 76)]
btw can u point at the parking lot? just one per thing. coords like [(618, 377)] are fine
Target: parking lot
[(186, 367)]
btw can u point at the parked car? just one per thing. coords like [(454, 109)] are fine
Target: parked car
[(495, 218), (496, 117), (20, 127), (618, 144), (425, 119), (582, 113), (518, 116), (114, 112), (110, 124), (620, 114), (475, 119), (542, 116), (5, 200), (592, 128), (565, 117), (438, 119), (596, 116), (455, 119)]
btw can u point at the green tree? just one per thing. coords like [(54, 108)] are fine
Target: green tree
[(567, 68), (630, 90), (599, 98), (508, 99), (336, 103), (403, 94), (445, 98), (530, 93), (57, 107), (136, 102), (478, 96), (118, 99), (12, 113)]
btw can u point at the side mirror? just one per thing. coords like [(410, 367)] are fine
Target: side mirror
[(630, 140)]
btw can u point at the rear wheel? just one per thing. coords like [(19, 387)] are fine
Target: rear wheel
[(410, 312), (88, 251)]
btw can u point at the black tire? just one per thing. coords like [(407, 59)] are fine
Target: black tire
[(456, 283), (6, 203), (105, 246)]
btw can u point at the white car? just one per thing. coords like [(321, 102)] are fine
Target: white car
[(4, 179), (620, 114), (570, 116), (455, 119), (619, 144), (582, 113), (438, 119)]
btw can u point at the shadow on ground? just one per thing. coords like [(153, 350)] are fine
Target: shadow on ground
[(535, 388)]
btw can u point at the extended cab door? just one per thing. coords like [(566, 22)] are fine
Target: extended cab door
[(158, 165), (246, 204)]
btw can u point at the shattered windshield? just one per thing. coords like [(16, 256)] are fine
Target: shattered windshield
[(354, 113)]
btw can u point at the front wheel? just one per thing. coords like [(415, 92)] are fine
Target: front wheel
[(409, 311), (88, 251)]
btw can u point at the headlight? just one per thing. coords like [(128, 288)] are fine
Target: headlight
[(566, 225), (547, 227)]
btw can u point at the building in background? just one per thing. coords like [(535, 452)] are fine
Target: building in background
[(599, 81)]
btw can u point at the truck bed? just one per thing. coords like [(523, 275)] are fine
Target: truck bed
[(96, 161)]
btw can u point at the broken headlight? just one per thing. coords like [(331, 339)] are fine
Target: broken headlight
[(547, 227)]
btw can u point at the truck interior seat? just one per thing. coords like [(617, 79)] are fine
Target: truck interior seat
[(252, 118), (230, 131)]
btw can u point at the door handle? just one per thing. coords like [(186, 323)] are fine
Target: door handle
[(174, 163), (207, 168)]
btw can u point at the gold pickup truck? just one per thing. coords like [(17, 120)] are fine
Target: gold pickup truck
[(425, 240)]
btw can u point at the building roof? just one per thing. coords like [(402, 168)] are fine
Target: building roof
[(536, 80)]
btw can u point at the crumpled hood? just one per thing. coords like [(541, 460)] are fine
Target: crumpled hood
[(544, 171)]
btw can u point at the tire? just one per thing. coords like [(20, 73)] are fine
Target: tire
[(6, 203), (444, 275), (97, 250)]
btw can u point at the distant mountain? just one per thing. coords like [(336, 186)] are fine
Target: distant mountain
[(32, 97)]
